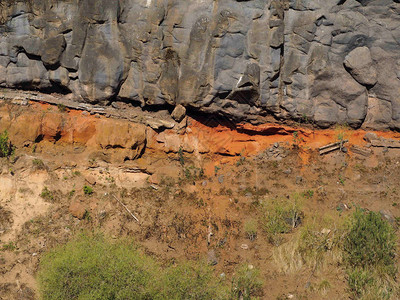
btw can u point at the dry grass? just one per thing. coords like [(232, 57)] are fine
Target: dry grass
[(313, 247), (287, 257)]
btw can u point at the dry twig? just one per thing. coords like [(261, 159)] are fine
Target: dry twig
[(127, 209)]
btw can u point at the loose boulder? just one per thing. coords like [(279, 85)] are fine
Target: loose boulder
[(178, 113)]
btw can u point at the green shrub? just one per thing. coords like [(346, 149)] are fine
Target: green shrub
[(88, 190), (6, 147), (246, 283), (91, 267), (192, 280), (94, 267), (369, 254), (181, 157), (369, 285), (358, 280), (370, 242)]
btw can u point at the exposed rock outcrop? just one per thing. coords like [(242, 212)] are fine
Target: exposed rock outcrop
[(117, 139), (324, 61)]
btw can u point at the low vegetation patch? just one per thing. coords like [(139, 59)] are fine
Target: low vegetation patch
[(315, 244), (278, 217), (38, 164), (46, 194), (369, 254), (192, 173), (90, 267), (191, 280), (246, 283), (312, 246), (365, 245), (8, 247), (93, 267), (251, 228), (6, 147), (87, 190)]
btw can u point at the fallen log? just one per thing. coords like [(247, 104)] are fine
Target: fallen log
[(331, 147), (362, 151)]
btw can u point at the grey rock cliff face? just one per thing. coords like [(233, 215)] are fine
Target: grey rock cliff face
[(329, 62)]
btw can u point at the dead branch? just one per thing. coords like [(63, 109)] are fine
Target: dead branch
[(126, 208)]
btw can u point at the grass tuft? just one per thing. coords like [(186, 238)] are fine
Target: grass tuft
[(279, 217)]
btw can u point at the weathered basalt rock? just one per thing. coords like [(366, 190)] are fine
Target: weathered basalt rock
[(324, 61), (361, 67)]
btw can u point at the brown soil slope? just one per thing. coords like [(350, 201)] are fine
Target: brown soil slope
[(192, 189)]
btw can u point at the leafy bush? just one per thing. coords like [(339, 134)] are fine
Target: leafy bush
[(246, 283), (91, 267), (6, 147)]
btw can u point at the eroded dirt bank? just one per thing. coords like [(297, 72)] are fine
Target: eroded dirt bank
[(40, 124), (192, 188)]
